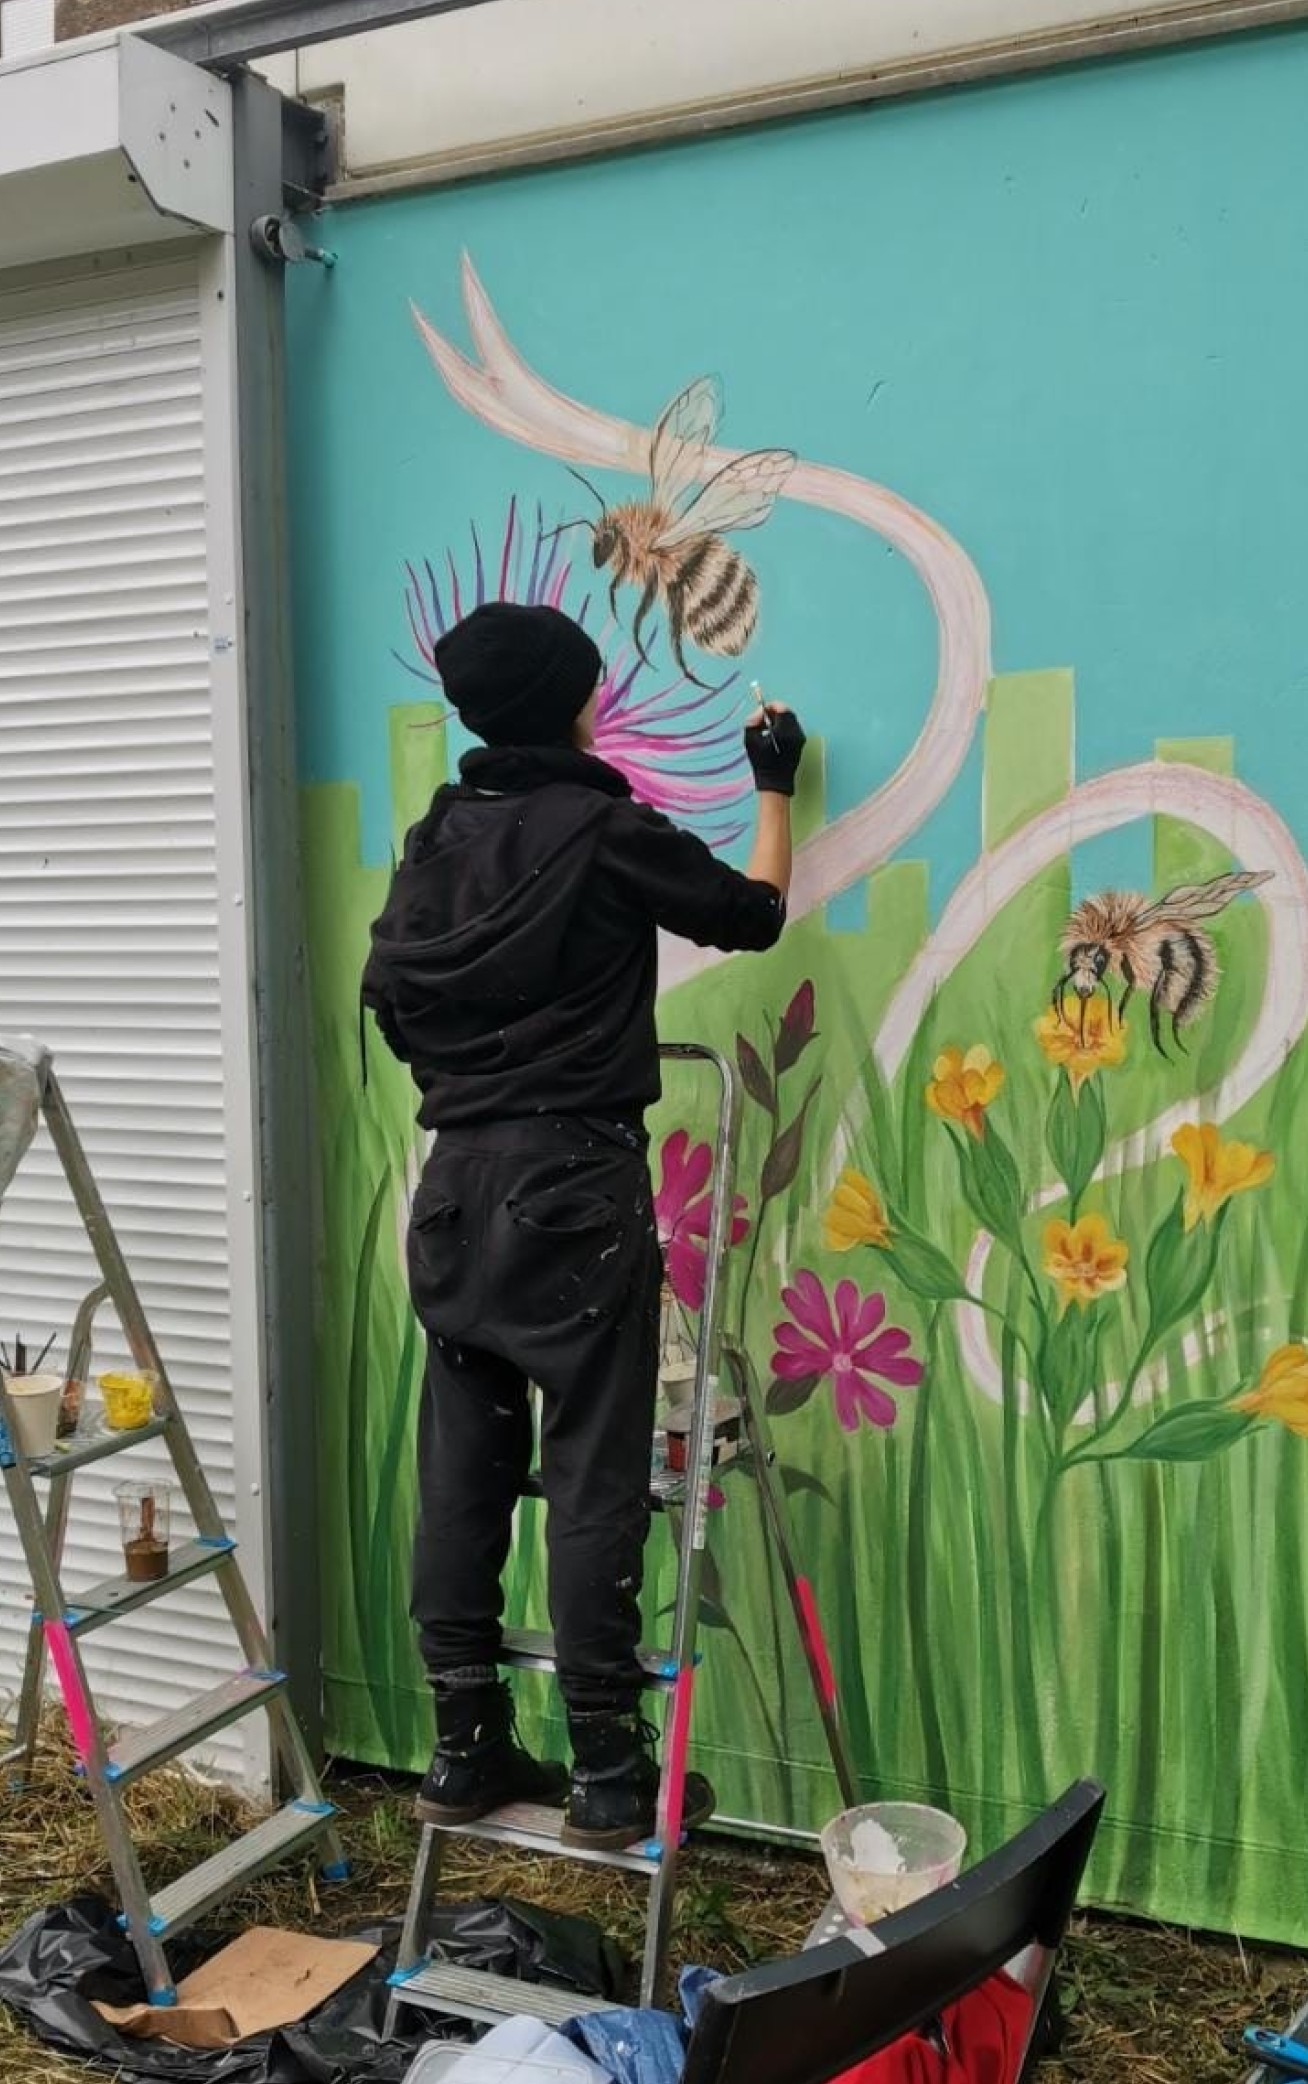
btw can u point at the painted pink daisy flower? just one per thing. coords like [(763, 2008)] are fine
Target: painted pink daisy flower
[(683, 1207), (678, 745), (847, 1338)]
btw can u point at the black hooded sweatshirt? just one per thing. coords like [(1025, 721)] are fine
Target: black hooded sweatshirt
[(514, 967)]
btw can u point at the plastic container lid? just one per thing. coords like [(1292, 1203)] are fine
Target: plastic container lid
[(442, 2058)]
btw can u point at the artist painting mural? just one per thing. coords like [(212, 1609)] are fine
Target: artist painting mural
[(1018, 1244)]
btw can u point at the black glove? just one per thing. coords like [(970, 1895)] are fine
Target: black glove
[(774, 748)]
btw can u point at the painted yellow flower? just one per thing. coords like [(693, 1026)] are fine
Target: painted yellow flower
[(1216, 1169), (1282, 1390), (1084, 1259), (856, 1215), (1098, 1046), (964, 1084)]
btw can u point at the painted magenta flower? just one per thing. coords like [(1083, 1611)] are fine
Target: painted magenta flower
[(846, 1337), (855, 1215), (1084, 1260), (683, 1208), (1216, 1168), (964, 1084), (1094, 1041), (1282, 1390), (678, 744)]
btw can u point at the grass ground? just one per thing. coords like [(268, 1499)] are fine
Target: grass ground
[(1149, 2003)]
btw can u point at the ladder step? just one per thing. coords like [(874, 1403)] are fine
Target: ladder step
[(538, 1829), (473, 1993), (120, 1595), (275, 1839), (152, 1746), (532, 1649), (77, 1453)]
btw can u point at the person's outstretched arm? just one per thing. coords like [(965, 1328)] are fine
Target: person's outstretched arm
[(774, 742), (684, 887)]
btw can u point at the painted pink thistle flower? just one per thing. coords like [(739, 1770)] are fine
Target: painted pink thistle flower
[(683, 1207), (848, 1343), (678, 745)]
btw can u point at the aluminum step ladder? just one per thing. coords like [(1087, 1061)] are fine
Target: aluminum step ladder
[(29, 1091), (435, 1986)]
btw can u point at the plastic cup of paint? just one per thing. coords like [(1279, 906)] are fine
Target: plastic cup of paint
[(128, 1401), (143, 1516), (884, 1855), (34, 1402)]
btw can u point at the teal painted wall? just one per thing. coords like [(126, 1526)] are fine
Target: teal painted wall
[(1063, 317)]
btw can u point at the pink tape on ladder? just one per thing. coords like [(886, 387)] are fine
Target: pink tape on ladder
[(672, 1805), (817, 1642), (78, 1708)]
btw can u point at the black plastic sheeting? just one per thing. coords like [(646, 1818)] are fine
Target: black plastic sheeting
[(73, 1952)]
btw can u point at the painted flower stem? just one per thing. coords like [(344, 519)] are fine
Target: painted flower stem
[(921, 1643), (1085, 1451)]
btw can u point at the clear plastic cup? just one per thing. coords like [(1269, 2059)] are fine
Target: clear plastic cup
[(888, 1854), (143, 1514)]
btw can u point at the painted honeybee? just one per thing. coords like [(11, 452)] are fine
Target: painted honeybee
[(1159, 948), (671, 546)]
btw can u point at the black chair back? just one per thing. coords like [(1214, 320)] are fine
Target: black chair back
[(805, 2020)]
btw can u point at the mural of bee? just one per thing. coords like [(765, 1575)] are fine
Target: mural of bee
[(670, 545), (1159, 948)]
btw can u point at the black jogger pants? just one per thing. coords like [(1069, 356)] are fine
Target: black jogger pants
[(534, 1257)]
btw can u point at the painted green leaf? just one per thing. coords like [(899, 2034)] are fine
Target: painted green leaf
[(796, 1030), (785, 1397), (1179, 1268), (1064, 1364), (782, 1161), (990, 1183), (921, 1266), (797, 1480), (754, 1074), (1191, 1433), (1076, 1131)]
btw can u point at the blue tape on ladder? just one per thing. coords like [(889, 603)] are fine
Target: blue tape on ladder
[(652, 1849), (215, 1541), (164, 1999), (336, 1870), (268, 1677), (400, 1976), (315, 1808)]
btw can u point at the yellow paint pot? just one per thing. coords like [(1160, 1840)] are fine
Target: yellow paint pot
[(128, 1401)]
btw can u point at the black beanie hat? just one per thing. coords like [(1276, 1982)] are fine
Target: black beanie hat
[(518, 676)]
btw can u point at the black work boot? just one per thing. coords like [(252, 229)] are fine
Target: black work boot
[(479, 1765), (613, 1798)]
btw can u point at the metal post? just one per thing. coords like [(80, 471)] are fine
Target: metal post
[(283, 1038)]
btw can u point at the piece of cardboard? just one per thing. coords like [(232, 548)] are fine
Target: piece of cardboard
[(262, 1980)]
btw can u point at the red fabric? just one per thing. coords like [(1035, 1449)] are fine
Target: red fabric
[(986, 2032)]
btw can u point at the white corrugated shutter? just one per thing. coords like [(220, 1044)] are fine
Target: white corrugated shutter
[(109, 898)]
